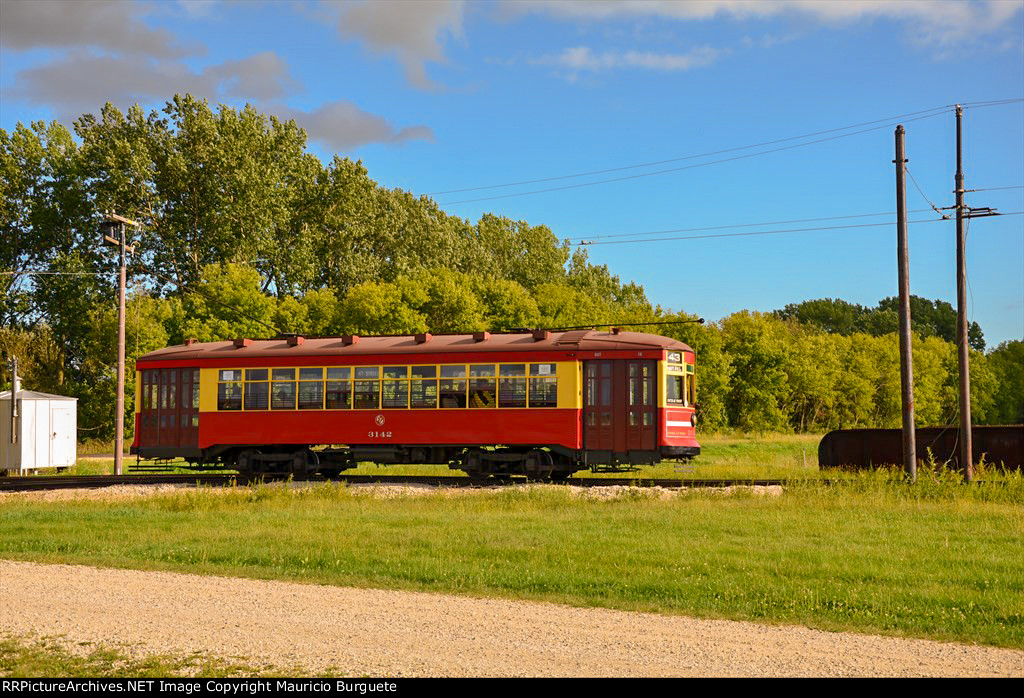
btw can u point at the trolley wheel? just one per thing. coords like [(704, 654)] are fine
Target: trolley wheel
[(246, 464), (473, 465)]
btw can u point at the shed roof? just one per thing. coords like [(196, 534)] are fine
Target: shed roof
[(33, 395), (577, 340)]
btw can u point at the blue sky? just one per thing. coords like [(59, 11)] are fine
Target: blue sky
[(440, 96)]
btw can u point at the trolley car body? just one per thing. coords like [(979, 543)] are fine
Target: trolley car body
[(541, 403)]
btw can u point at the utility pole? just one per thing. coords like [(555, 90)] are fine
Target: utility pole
[(906, 351), (114, 223), (966, 446)]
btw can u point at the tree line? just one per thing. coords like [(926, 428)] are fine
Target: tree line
[(244, 233)]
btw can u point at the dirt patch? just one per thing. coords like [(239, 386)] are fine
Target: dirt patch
[(395, 633)]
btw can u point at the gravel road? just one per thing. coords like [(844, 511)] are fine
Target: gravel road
[(395, 633)]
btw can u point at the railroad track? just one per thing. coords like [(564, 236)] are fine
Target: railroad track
[(24, 484)]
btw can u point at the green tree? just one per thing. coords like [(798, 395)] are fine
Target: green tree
[(826, 314), (451, 304), (756, 352), (507, 305), (227, 303), (43, 214), (95, 381), (372, 308), (1007, 363)]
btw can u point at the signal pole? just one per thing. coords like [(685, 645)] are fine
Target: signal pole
[(114, 223), (906, 351), (966, 446)]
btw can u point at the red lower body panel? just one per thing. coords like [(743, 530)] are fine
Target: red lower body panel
[(398, 427), (677, 427)]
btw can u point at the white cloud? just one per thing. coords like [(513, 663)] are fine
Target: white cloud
[(413, 30), (933, 21), (114, 25), (583, 58), (82, 81), (344, 126), (261, 76)]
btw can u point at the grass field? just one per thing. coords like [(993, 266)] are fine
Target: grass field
[(31, 657), (939, 559)]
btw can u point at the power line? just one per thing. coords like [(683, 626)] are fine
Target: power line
[(54, 273), (776, 232), (921, 192), (991, 103), (751, 225), (685, 157), (934, 111), (685, 167), (997, 188)]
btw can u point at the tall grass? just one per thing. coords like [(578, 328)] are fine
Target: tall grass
[(871, 553)]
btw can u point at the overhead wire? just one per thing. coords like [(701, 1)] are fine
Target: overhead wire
[(935, 208), (745, 225), (775, 232), (684, 157), (685, 167), (928, 113)]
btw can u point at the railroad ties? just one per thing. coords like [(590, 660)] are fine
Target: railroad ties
[(21, 484)]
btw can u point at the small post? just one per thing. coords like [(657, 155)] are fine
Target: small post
[(966, 445), (15, 389), (906, 347)]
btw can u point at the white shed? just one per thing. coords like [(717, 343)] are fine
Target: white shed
[(45, 432)]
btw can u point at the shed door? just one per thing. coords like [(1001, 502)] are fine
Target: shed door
[(62, 430)]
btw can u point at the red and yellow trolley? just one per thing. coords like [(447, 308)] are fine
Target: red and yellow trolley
[(540, 403)]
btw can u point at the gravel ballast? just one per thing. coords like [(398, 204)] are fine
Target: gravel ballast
[(397, 633)]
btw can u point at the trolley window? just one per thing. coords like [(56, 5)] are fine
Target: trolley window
[(512, 386), (311, 395), (423, 387), (482, 386), (366, 395), (229, 390), (395, 387), (282, 396), (675, 379), (338, 393), (452, 387), (543, 385)]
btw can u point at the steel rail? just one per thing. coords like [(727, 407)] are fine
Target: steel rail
[(42, 483)]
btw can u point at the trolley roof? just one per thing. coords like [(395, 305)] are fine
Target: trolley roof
[(576, 340)]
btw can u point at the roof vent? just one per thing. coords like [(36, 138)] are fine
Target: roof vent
[(616, 330), (541, 335), (423, 337), (190, 341), (296, 340), (481, 336), (349, 339), (242, 343)]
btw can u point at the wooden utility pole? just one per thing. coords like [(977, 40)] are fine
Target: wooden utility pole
[(966, 446), (115, 223), (906, 351)]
